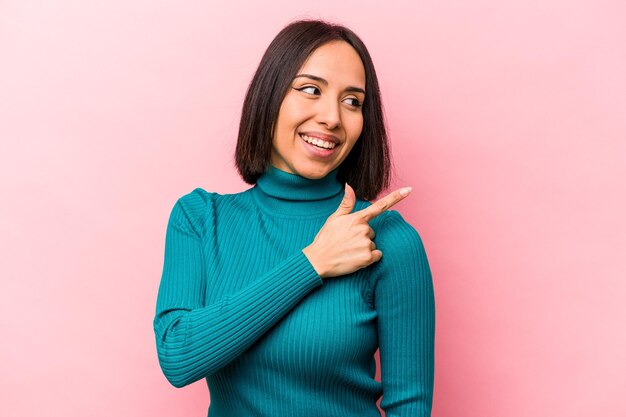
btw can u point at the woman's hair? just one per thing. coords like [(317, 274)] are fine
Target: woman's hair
[(367, 166)]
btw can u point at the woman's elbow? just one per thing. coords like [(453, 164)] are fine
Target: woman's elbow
[(177, 381), (177, 377)]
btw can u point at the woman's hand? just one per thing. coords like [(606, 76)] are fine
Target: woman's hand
[(344, 244)]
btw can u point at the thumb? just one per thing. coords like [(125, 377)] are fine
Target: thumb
[(347, 204)]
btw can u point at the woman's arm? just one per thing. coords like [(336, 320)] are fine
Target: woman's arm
[(194, 340), (405, 302)]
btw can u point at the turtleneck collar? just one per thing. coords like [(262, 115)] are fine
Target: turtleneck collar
[(291, 195)]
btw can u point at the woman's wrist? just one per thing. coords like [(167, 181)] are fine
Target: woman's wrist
[(309, 252)]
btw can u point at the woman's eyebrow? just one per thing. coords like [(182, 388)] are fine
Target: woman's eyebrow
[(323, 81)]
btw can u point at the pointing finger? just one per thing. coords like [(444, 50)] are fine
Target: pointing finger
[(383, 204)]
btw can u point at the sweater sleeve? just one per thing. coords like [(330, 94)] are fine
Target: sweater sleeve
[(405, 303), (194, 340)]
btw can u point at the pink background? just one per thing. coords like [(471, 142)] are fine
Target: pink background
[(507, 118)]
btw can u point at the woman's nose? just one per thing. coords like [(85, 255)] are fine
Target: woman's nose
[(329, 113)]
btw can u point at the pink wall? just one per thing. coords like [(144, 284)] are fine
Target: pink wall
[(507, 118)]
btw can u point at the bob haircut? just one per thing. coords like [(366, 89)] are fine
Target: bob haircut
[(367, 166)]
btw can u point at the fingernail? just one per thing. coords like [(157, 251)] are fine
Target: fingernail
[(405, 191)]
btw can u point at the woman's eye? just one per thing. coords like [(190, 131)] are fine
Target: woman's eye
[(309, 89), (355, 102)]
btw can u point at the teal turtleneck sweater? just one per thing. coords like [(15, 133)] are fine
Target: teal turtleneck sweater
[(241, 305)]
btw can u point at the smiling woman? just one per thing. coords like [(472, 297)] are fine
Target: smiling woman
[(330, 65), (320, 118), (279, 296)]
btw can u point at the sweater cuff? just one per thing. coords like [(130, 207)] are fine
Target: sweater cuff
[(303, 271)]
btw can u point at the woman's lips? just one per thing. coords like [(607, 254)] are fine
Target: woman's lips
[(323, 136), (316, 151)]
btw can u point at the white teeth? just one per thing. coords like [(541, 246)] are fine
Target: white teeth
[(318, 142)]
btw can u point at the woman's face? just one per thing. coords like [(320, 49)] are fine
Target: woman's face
[(323, 104)]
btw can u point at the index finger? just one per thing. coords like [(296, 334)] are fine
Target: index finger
[(383, 204)]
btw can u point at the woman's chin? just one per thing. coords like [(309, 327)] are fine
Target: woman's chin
[(314, 172), (306, 168)]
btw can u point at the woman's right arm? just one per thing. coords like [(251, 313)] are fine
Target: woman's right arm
[(194, 340)]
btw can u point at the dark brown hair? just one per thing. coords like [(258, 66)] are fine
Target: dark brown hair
[(367, 166)]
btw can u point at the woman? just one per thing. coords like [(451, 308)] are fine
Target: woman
[(278, 295)]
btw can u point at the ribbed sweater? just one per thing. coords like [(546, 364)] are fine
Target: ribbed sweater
[(240, 305)]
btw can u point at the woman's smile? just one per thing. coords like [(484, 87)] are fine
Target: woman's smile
[(321, 118), (320, 142), (318, 148)]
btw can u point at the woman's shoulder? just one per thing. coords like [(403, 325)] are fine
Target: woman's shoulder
[(195, 203), (403, 253), (200, 205), (196, 197), (398, 230), (393, 231), (188, 212), (199, 198)]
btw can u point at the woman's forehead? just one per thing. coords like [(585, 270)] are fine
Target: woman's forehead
[(335, 62)]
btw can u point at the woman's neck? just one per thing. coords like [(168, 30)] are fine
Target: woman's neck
[(283, 193)]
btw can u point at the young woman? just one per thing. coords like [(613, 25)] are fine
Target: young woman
[(280, 295)]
